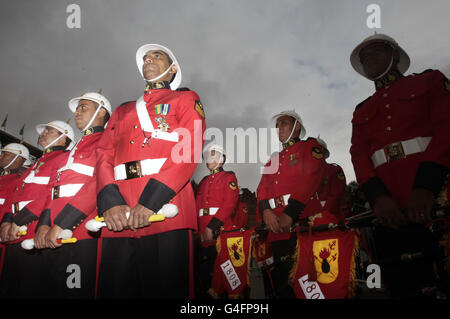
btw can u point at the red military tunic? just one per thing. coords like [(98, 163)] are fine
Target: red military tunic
[(122, 142), (400, 138), (240, 219), (332, 189), (8, 181), (292, 186), (30, 195), (73, 198), (217, 197)]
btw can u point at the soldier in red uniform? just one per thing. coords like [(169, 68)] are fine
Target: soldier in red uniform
[(145, 160), (240, 218), (73, 199), (283, 195), (401, 156), (21, 277), (12, 157), (217, 197), (332, 188)]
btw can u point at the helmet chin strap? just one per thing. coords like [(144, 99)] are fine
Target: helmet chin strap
[(220, 161), (10, 163), (92, 118), (387, 69), (161, 75), (292, 132), (54, 141)]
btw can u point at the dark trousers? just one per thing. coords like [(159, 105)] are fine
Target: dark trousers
[(72, 269), (155, 266), (405, 279), (65, 272), (283, 251), (206, 258), (24, 274)]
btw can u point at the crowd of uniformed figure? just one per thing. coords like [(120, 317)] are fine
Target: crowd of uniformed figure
[(113, 215)]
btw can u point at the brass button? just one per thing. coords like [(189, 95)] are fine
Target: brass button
[(385, 94), (388, 128), (278, 173), (276, 182), (135, 126), (131, 142), (413, 95), (387, 106), (81, 156), (387, 86), (389, 117), (367, 118)]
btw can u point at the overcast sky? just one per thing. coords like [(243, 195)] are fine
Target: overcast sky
[(247, 60)]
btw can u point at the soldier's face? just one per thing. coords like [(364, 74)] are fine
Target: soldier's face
[(156, 62), (284, 125), (49, 135), (84, 112), (375, 59), (213, 159), (6, 158)]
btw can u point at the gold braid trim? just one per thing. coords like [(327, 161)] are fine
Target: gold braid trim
[(352, 281), (295, 258), (250, 248), (213, 294), (445, 244)]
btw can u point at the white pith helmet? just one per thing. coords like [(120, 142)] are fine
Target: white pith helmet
[(61, 126), (324, 145), (91, 96), (18, 149), (214, 147), (142, 51), (292, 114), (402, 65)]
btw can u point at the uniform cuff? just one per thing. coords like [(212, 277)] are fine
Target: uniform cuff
[(155, 195), (430, 176), (8, 218), (24, 217), (215, 224), (294, 208), (69, 217), (374, 188), (44, 219), (263, 205), (109, 197)]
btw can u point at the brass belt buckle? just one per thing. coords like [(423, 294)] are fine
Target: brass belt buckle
[(205, 211), (16, 208), (279, 202), (55, 192), (394, 151), (133, 169)]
